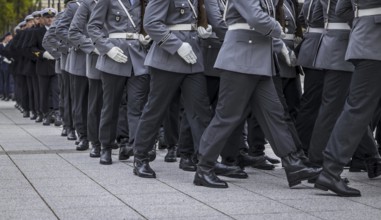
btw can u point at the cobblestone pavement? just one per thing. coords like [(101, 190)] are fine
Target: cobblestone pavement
[(43, 177)]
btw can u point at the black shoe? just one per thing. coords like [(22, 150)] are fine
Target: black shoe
[(125, 152), (26, 114), (58, 121), (244, 160), (46, 121), (265, 165), (357, 165), (34, 116), (83, 145), (187, 164), (7, 98), (105, 157), (95, 151), (152, 155), (64, 132), (272, 160), (313, 180), (297, 171), (208, 179), (327, 182), (142, 168), (71, 136), (373, 167), (229, 171), (171, 155), (39, 118)]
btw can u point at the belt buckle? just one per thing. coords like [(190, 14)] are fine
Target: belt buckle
[(129, 35), (193, 27)]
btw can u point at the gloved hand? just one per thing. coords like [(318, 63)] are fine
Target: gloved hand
[(117, 55), (7, 61), (186, 52), (297, 41), (204, 33), (144, 40), (96, 51), (282, 34), (285, 54), (47, 56)]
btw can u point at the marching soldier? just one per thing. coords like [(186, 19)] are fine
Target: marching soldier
[(79, 37), (122, 54), (364, 95), (246, 81)]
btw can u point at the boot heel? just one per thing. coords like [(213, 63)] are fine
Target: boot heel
[(291, 184), (318, 186)]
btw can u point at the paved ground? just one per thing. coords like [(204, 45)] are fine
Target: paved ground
[(42, 177)]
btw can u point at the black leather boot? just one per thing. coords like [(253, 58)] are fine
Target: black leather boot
[(46, 120), (373, 167), (64, 132), (125, 152), (187, 164), (57, 119), (171, 154), (205, 176), (244, 159), (297, 171), (152, 154), (142, 168), (221, 169), (95, 150), (83, 145), (39, 118), (71, 136), (357, 165), (330, 179), (26, 114), (105, 156), (34, 116)]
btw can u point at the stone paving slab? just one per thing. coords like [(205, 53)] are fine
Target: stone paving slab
[(42, 176)]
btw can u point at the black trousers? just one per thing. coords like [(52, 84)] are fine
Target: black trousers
[(80, 102), (309, 105), (113, 87), (5, 75), (95, 102), (335, 91), (49, 93), (171, 125), (238, 92), (22, 84), (61, 103), (255, 136), (164, 86), (364, 96), (122, 131), (67, 100), (34, 94)]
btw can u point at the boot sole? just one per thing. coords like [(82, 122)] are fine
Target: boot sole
[(95, 156), (170, 160), (144, 176), (299, 181), (105, 163), (188, 169)]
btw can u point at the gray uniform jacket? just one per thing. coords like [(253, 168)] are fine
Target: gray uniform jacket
[(334, 43), (79, 37), (365, 38), (211, 46), (76, 60), (249, 51), (109, 14), (285, 70), (52, 44), (163, 53), (312, 17)]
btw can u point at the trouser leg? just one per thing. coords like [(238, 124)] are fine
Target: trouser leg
[(95, 102), (81, 88)]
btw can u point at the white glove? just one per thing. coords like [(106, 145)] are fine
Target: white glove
[(297, 41), (117, 55), (186, 52), (282, 34), (96, 51), (7, 61), (47, 56), (144, 40), (286, 55), (204, 33)]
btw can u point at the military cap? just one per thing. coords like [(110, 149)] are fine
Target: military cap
[(49, 12), (22, 24), (36, 14), (28, 18)]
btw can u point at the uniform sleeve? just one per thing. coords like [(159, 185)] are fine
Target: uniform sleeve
[(62, 29), (254, 15), (95, 27), (50, 43), (78, 25), (154, 25), (215, 18)]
